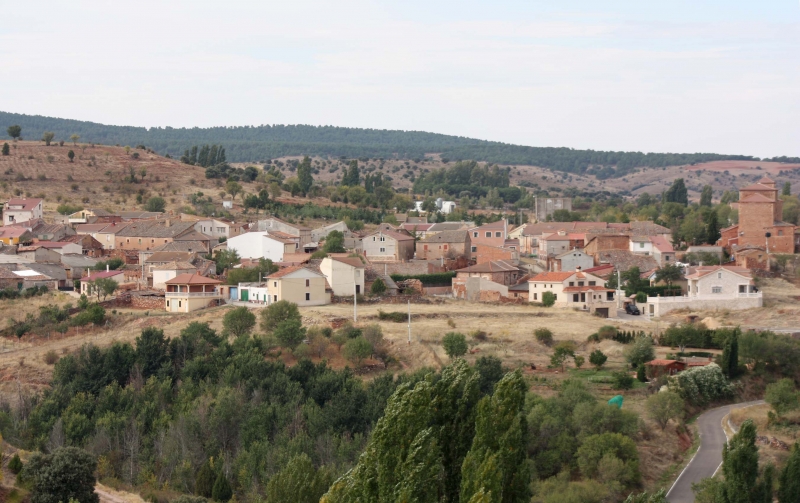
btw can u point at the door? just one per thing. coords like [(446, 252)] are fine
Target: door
[(234, 293), (245, 295), (602, 311), (358, 289)]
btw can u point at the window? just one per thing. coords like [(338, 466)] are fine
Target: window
[(498, 234), (475, 234), (535, 296), (571, 283), (719, 275), (167, 303), (641, 245), (592, 283), (308, 296), (580, 283), (666, 258), (308, 284), (152, 240), (445, 247), (474, 249), (179, 303), (488, 234), (555, 296), (275, 298), (383, 238), (275, 284), (140, 240), (716, 289), (780, 233), (373, 238)]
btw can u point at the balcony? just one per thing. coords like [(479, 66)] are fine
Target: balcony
[(192, 294)]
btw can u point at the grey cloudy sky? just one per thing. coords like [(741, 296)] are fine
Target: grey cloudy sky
[(602, 74)]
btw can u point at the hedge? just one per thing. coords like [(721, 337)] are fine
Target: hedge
[(655, 291), (435, 279)]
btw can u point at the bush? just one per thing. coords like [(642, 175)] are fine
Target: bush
[(222, 489), (395, 316), (278, 312), (239, 321), (455, 344), (701, 385), (357, 350), (641, 297), (782, 396), (378, 287), (15, 464), (598, 359), (640, 352), (544, 336), (600, 450), (664, 406), (548, 299), (51, 357), (622, 380), (204, 482), (290, 333)]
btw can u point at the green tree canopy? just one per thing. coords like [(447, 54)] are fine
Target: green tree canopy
[(66, 474), (278, 312), (239, 321)]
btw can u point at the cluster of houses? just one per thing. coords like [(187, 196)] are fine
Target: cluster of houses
[(491, 262)]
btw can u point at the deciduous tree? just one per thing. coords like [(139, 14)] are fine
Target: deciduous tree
[(14, 131), (664, 406), (47, 137), (239, 321), (455, 344), (65, 475)]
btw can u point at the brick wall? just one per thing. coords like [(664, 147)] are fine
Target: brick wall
[(486, 253)]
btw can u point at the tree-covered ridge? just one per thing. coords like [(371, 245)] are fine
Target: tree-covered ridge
[(256, 143)]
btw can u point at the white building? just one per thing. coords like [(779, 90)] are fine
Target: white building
[(21, 209), (344, 274), (261, 245), (218, 228), (712, 287), (166, 272), (575, 289)]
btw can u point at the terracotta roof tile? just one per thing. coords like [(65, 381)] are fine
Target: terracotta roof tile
[(192, 279)]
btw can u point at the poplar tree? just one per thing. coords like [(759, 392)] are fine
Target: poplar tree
[(304, 177), (497, 462), (712, 228), (740, 467), (352, 177), (705, 196), (789, 479), (730, 355)]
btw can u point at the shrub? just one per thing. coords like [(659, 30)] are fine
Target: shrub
[(51, 357), (641, 297), (15, 464), (395, 316), (782, 396), (622, 380), (378, 287), (434, 279), (664, 406), (479, 335), (599, 450), (455, 344), (222, 489), (290, 333), (357, 350), (544, 336), (607, 332), (239, 321), (597, 358), (278, 312), (302, 351), (548, 299), (640, 351), (701, 385), (204, 482), (451, 323)]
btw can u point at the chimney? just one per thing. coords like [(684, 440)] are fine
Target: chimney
[(578, 269), (167, 223)]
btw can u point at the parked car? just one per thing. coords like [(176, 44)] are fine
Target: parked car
[(632, 309)]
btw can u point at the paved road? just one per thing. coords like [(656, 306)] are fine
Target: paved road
[(708, 457)]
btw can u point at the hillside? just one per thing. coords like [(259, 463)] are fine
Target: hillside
[(258, 143)]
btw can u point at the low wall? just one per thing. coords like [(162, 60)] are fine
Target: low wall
[(147, 302), (659, 306)]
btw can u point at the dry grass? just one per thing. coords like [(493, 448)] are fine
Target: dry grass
[(758, 414)]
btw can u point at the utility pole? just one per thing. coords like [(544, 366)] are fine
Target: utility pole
[(619, 290), (355, 297), (409, 322)]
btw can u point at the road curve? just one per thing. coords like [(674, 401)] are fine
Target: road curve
[(708, 457)]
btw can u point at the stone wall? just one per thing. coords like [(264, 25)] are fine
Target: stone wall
[(147, 302), (659, 306)]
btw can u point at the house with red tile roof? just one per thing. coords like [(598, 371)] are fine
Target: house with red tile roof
[(576, 289), (117, 275), (472, 282), (189, 292)]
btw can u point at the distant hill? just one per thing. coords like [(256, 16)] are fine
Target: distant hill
[(259, 143)]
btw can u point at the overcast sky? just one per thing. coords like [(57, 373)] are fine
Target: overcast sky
[(649, 75)]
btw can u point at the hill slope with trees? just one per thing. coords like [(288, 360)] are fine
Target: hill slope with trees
[(258, 143)]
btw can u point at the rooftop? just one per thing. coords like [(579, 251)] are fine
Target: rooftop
[(192, 279), (555, 277), (494, 266), (23, 203), (101, 274), (459, 236)]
